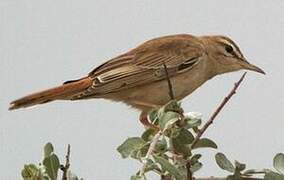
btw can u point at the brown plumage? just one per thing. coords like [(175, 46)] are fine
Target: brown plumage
[(138, 78), (56, 93)]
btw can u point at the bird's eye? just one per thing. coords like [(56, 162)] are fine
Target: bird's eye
[(229, 49)]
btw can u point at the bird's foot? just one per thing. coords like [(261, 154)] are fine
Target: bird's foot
[(145, 121)]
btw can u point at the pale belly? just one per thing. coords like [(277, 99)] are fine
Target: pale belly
[(156, 94)]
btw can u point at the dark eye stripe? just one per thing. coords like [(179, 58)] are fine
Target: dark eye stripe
[(231, 51), (235, 52), (226, 41)]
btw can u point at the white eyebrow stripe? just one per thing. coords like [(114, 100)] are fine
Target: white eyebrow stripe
[(236, 49), (225, 41)]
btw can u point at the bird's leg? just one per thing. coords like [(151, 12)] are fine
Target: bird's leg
[(145, 121)]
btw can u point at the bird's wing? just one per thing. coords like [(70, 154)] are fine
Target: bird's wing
[(144, 65)]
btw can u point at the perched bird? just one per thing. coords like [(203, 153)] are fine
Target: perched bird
[(138, 77)]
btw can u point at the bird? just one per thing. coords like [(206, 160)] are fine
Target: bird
[(138, 77)]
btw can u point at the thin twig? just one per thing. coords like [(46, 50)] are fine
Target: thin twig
[(220, 107), (150, 152), (211, 178), (219, 178), (166, 177), (159, 133), (189, 173), (67, 164), (171, 93)]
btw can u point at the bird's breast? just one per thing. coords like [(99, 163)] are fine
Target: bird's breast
[(157, 94)]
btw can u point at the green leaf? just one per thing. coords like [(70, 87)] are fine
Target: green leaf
[(181, 140), (52, 165), (140, 153), (167, 119), (224, 163), (137, 177), (237, 174), (136, 154), (195, 167), (192, 123), (153, 116), (167, 166), (182, 149), (172, 106), (30, 171), (183, 136), (182, 169), (239, 166), (150, 165), (161, 145), (48, 150), (254, 171), (205, 143), (148, 134), (232, 177), (194, 159), (130, 145), (273, 176), (278, 163)]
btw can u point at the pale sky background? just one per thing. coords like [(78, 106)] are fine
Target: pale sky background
[(44, 43)]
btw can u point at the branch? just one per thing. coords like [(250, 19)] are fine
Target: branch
[(189, 173), (150, 152), (159, 133), (67, 164), (211, 178), (220, 107), (222, 178), (171, 93)]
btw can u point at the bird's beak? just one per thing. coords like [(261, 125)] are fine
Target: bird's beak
[(249, 66)]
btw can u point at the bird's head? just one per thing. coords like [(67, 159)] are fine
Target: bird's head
[(227, 55)]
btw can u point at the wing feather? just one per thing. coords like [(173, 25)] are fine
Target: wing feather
[(144, 65)]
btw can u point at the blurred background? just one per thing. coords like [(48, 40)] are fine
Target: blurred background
[(44, 43)]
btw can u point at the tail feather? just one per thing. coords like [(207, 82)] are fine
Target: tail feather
[(65, 91)]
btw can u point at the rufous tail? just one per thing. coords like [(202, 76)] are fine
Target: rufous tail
[(65, 91)]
